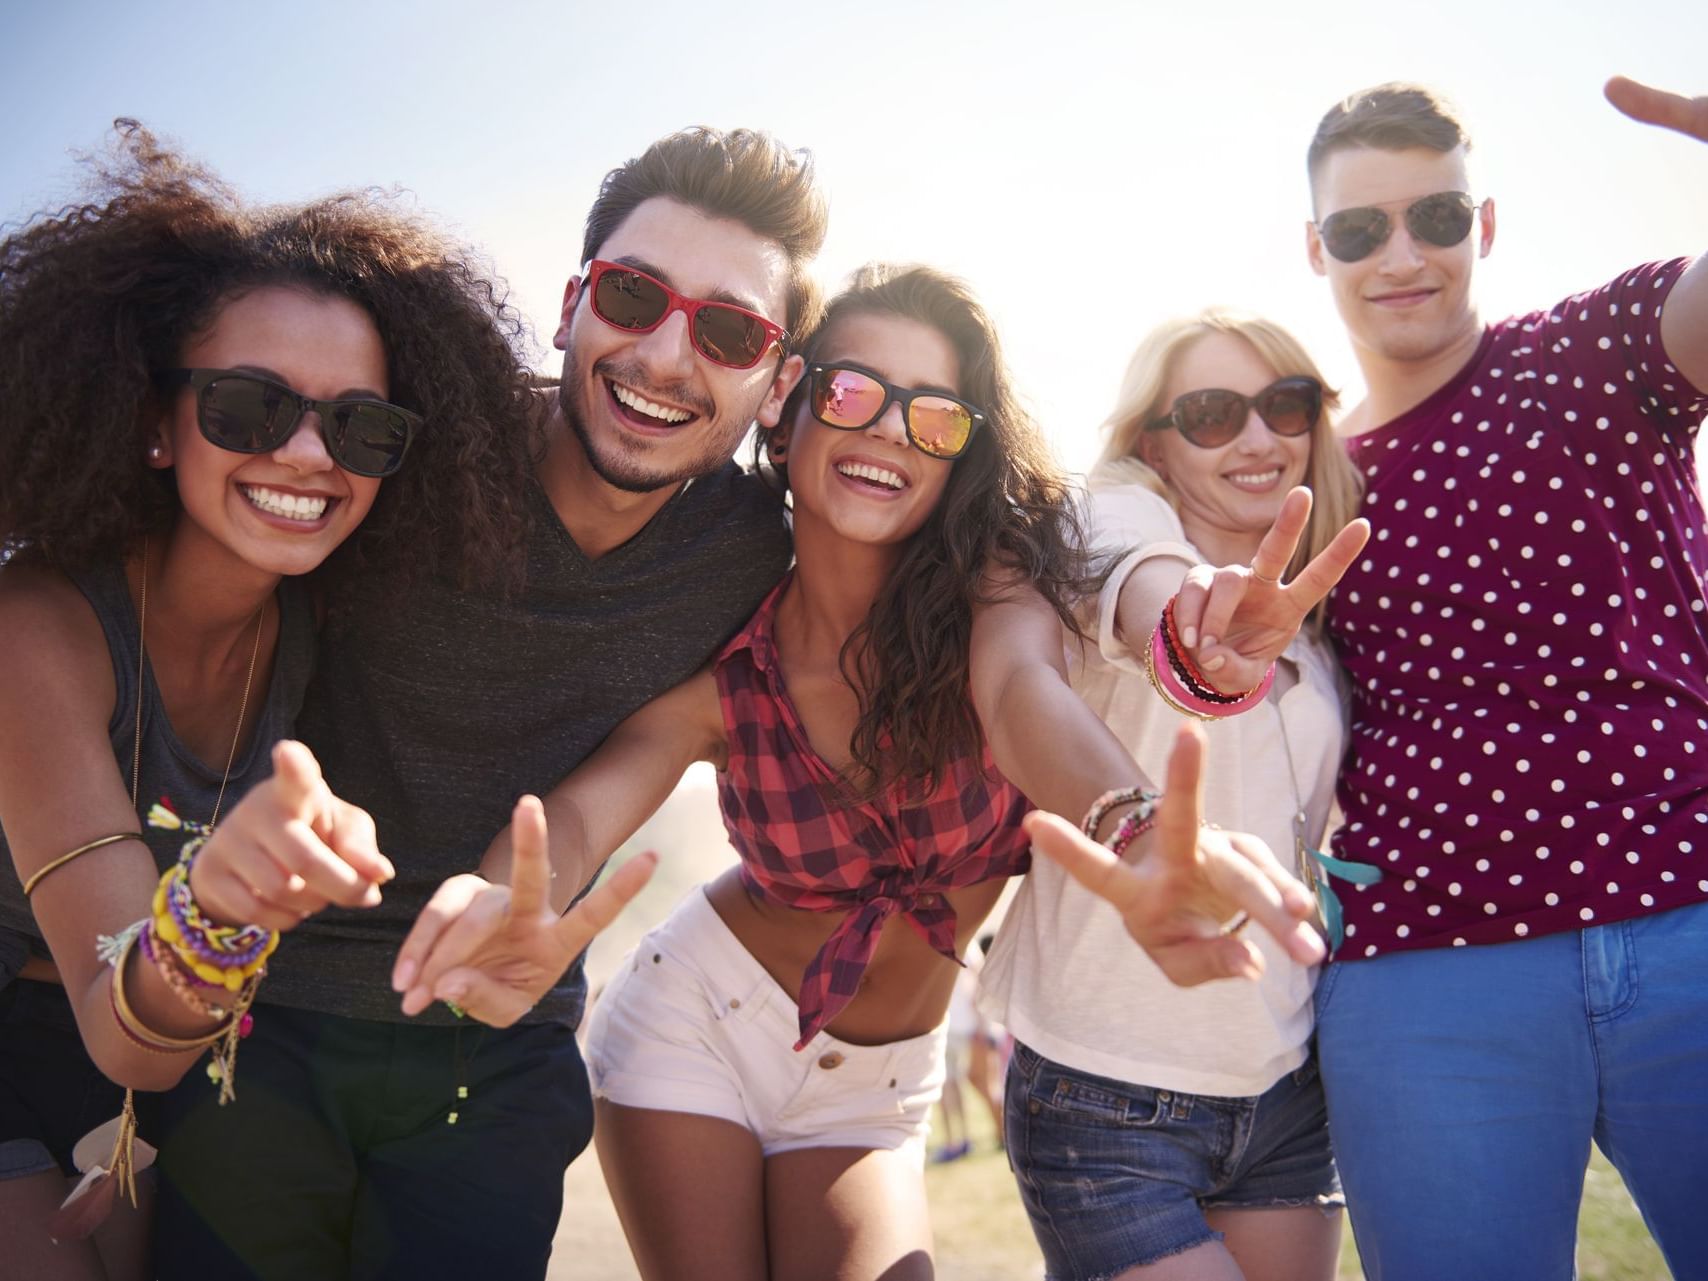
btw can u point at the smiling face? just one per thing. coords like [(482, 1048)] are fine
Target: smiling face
[(648, 409), (285, 511), (872, 486), (1409, 300), (1231, 494)]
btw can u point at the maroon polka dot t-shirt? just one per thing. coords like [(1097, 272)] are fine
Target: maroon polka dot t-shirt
[(1527, 639)]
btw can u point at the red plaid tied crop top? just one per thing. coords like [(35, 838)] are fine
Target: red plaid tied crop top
[(804, 844)]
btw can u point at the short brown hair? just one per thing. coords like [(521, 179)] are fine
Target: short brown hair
[(1391, 117), (744, 175)]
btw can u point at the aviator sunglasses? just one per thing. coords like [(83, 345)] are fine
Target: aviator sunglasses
[(249, 414), (850, 398), (723, 333), (1213, 417), (1442, 220)]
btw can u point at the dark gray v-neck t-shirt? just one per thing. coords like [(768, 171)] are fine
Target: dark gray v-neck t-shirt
[(435, 712)]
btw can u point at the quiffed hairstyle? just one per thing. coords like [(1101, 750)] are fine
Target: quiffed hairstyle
[(1389, 117), (1335, 484), (743, 175), (1004, 514), (99, 297)]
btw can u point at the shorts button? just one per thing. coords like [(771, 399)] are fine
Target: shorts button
[(1163, 1096), (892, 1083), (656, 958), (734, 1004), (831, 1060)]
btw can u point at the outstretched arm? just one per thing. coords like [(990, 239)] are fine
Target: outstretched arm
[(472, 919), (1684, 323)]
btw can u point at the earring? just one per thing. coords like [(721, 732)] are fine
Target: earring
[(778, 446), (156, 452)]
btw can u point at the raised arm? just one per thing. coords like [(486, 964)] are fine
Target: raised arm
[(1684, 323), (472, 923)]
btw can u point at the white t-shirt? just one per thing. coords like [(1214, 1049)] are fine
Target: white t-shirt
[(1064, 975)]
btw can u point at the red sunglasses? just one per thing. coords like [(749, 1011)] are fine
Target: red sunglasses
[(628, 299)]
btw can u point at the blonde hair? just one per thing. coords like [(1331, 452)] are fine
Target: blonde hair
[(1335, 483)]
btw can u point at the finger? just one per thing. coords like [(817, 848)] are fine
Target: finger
[(530, 863), (298, 787), (1195, 961), (1658, 107), (1094, 866), (297, 850), (446, 905), (1227, 589), (1189, 604), (457, 943), (224, 898), (1319, 577), (1276, 550), (352, 836), (1181, 813), (583, 922), (1248, 876), (484, 998)]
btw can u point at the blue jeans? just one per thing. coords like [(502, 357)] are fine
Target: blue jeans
[(1465, 1084), (1114, 1175)]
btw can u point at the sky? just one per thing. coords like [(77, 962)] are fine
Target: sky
[(1090, 168)]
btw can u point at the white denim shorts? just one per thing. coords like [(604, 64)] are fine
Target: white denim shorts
[(692, 1023)]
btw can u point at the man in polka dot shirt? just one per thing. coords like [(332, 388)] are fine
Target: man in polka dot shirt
[(1529, 764)]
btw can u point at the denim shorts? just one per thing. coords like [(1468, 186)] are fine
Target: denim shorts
[(1116, 1175)]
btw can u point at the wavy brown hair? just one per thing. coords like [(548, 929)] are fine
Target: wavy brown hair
[(1006, 515), (99, 296)]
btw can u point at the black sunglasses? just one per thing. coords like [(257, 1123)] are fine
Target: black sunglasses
[(850, 398), (249, 414), (1215, 416), (1443, 220)]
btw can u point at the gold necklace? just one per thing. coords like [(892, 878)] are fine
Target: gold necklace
[(242, 707)]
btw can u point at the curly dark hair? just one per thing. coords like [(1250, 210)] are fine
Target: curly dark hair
[(1007, 513), (97, 297)]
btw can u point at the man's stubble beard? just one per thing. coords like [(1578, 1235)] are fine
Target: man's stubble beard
[(625, 470)]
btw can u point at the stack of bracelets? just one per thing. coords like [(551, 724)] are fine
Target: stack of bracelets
[(194, 957), (1182, 686), (1132, 825)]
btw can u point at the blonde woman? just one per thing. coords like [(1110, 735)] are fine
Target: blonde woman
[(1158, 1131)]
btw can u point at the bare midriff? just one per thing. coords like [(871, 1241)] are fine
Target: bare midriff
[(905, 990)]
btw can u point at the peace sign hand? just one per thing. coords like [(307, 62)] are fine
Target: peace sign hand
[(1189, 879), (496, 949), (1238, 619), (1688, 116)]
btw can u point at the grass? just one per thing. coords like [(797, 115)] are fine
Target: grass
[(983, 1235)]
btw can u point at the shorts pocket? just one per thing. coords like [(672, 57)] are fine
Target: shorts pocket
[(1095, 1101)]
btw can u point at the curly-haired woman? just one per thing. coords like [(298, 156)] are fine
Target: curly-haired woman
[(200, 403)]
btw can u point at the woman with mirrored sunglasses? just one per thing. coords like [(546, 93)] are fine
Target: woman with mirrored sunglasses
[(764, 1064), (199, 402), (1194, 1114)]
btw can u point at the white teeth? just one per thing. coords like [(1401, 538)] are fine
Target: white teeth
[(879, 475), (641, 405), (1256, 477), (291, 506)]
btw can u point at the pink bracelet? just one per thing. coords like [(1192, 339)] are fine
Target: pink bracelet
[(1182, 699)]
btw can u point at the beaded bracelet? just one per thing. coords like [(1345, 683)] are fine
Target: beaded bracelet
[(1175, 692), (1141, 818), (221, 955), (179, 978), (1180, 660)]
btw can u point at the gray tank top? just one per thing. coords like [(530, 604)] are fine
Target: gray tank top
[(171, 776)]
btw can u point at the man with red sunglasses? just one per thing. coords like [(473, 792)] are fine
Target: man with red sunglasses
[(1528, 646), (418, 1144)]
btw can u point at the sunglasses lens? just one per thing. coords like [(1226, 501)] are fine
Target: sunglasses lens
[(729, 336), (629, 300), (246, 415), (1209, 418), (368, 439), (1443, 219), (1354, 234), (846, 398), (1290, 407), (939, 426)]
